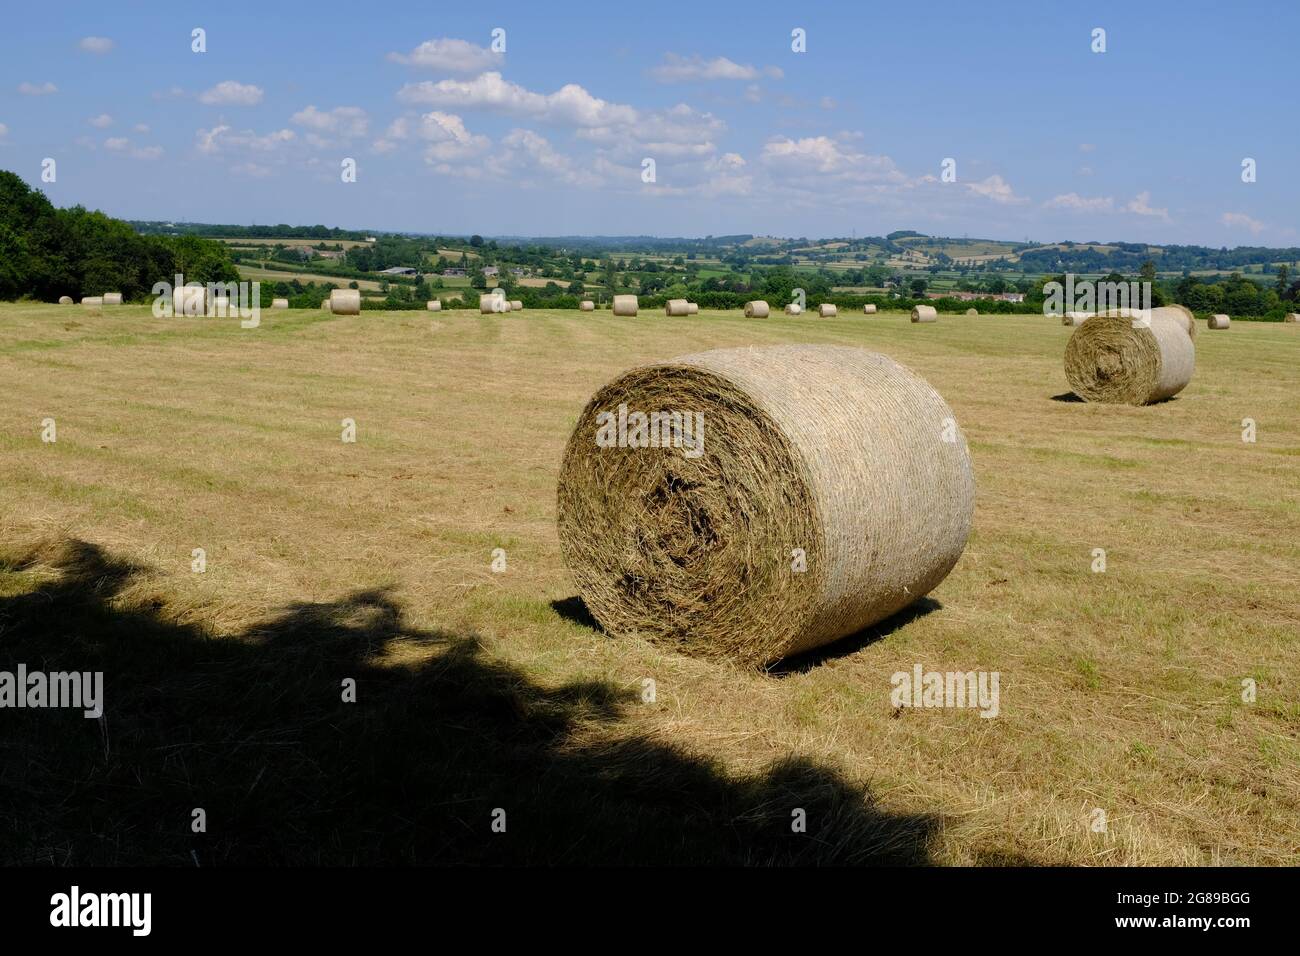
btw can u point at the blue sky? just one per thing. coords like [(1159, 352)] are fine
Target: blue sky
[(1050, 140)]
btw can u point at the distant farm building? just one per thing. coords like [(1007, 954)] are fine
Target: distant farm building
[(397, 271)]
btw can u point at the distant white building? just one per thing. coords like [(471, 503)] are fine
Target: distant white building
[(397, 271)]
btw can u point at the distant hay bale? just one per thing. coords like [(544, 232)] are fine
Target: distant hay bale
[(677, 307), (625, 305), (433, 305), (869, 309), (827, 310), (345, 301), (972, 311), (1218, 321), (279, 303), (586, 305), (1075, 318), (190, 300), (221, 306), (327, 305), (1180, 314), (93, 303), (1292, 317), (924, 313), (821, 499), (794, 308), (516, 305), (488, 304), (758, 309), (112, 298), (1115, 358), (65, 300), (692, 308)]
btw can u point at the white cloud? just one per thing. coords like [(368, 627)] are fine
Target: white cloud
[(231, 93), (1087, 147), (449, 140), (995, 188), (570, 105), (1077, 203), (825, 157), (37, 89), (102, 121), (1239, 220), (254, 170), (141, 127), (171, 93), (344, 122), (1141, 206), (453, 56), (529, 157), (220, 138), (147, 152), (96, 44), (680, 69), (117, 143)]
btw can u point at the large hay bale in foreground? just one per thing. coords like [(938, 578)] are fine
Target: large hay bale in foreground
[(840, 453), (794, 308), (1218, 321), (1119, 359), (758, 309), (869, 309), (586, 305), (112, 298), (345, 301), (924, 313), (677, 307), (625, 305), (827, 310), (433, 305), (65, 300)]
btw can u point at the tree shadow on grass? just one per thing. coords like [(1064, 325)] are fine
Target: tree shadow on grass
[(252, 729)]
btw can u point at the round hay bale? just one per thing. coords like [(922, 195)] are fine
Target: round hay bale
[(677, 307), (433, 305), (65, 300), (1180, 314), (625, 305), (1075, 318), (817, 497), (758, 309), (93, 303), (1116, 359), (794, 308), (516, 305), (221, 306), (1292, 317), (190, 300), (1219, 321), (345, 301), (112, 298), (972, 311), (586, 305), (924, 313), (692, 308), (489, 304), (827, 310), (869, 309), (279, 303), (327, 306)]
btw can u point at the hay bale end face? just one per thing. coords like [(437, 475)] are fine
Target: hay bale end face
[(433, 305), (677, 307), (1218, 321), (869, 309), (827, 310), (112, 298), (586, 305), (345, 302), (327, 306), (1116, 358), (972, 311), (812, 491), (924, 313), (758, 309), (489, 304), (625, 305), (65, 300), (794, 308)]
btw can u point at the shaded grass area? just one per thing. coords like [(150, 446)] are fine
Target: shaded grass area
[(252, 728)]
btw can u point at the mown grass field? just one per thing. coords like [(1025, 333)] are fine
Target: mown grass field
[(1120, 691)]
